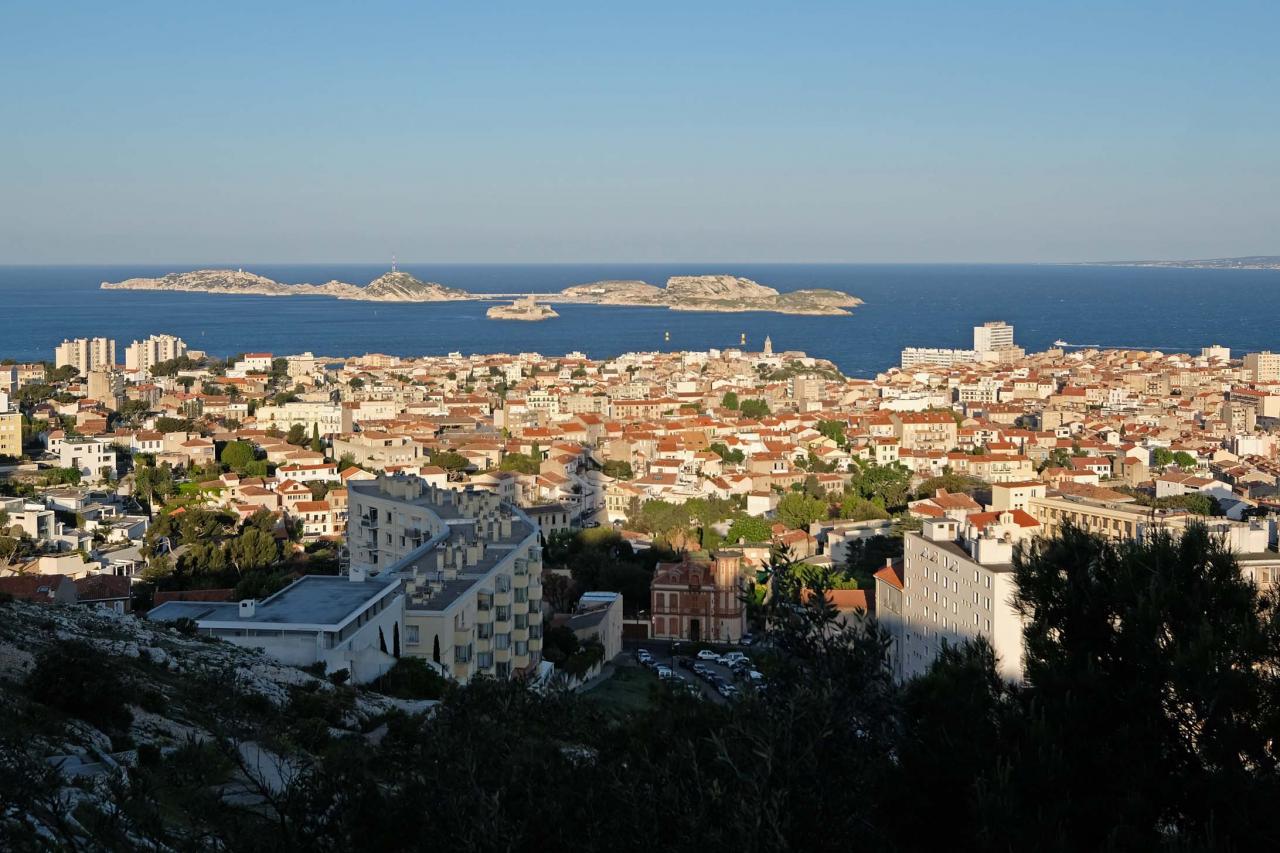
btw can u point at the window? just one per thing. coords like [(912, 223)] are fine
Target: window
[(502, 613), (522, 621), (411, 635), (522, 647), (522, 595), (502, 642)]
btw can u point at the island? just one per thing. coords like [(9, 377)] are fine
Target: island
[(711, 293), (720, 293), (1251, 262), (391, 287), (526, 308)]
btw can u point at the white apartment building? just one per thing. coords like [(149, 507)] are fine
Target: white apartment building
[(86, 354), (472, 570), (353, 623), (992, 336), (325, 418), (89, 456), (958, 586), (935, 357), (141, 356)]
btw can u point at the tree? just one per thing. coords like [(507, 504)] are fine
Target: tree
[(297, 435), (754, 408), (748, 528), (857, 508), (317, 444), (237, 455), (797, 510), (619, 469), (62, 374), (1184, 460), (833, 430), (1163, 658), (253, 549), (1162, 456), (735, 456), (170, 424), (729, 400), (519, 462), (449, 460)]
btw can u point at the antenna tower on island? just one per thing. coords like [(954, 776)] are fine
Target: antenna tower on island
[(393, 263)]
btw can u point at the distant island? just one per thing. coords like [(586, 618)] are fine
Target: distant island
[(1250, 262), (526, 308), (715, 293), (390, 287)]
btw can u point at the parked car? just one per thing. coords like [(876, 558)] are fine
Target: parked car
[(731, 658), (755, 677), (726, 690), (708, 655), (687, 663), (747, 639), (665, 671)]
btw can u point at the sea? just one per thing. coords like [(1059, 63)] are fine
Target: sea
[(929, 305)]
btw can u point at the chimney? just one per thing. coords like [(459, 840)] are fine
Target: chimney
[(248, 607)]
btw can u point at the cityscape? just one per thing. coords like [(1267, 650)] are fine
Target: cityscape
[(575, 427)]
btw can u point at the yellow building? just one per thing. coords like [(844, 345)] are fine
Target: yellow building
[(10, 434)]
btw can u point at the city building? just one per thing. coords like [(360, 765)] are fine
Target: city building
[(10, 432), (86, 354), (141, 356), (699, 598), (472, 569), (94, 458), (958, 585), (1262, 366), (353, 623)]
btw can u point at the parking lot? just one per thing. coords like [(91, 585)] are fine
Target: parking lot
[(682, 666)]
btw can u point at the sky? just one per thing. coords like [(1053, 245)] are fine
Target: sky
[(950, 131)]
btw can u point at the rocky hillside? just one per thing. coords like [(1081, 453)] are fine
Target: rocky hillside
[(391, 287), (92, 703)]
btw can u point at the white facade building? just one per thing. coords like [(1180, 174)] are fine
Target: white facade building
[(472, 569), (89, 456), (141, 356), (958, 586), (86, 354), (354, 623)]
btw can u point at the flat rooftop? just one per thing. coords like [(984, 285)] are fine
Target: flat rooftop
[(310, 600)]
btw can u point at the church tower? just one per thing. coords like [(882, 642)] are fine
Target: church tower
[(768, 345)]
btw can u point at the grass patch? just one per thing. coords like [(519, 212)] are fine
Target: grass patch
[(629, 689)]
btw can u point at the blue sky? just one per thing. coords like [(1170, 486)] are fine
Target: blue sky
[(908, 131)]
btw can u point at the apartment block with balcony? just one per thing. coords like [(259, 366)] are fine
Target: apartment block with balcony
[(958, 585), (472, 569)]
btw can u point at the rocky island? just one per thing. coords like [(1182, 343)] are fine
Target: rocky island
[(716, 293), (526, 308), (391, 287), (721, 293)]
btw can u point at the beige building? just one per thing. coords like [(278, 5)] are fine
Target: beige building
[(10, 433), (86, 354), (141, 356), (1263, 366), (325, 418), (472, 569)]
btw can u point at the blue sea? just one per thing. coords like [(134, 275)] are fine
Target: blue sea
[(906, 305)]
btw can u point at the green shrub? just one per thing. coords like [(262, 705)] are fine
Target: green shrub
[(77, 680)]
